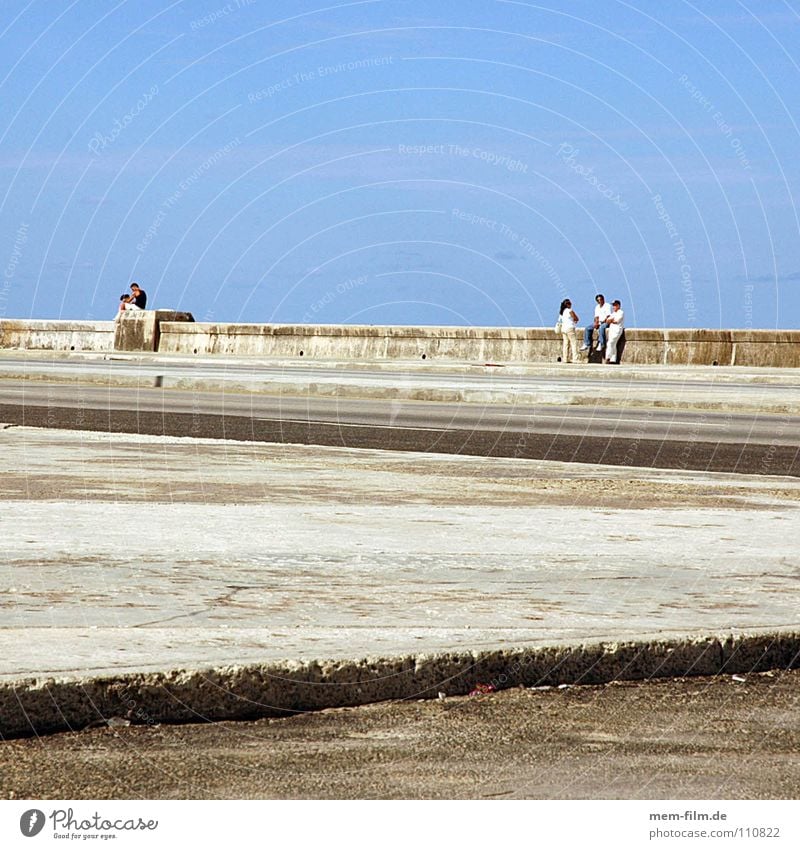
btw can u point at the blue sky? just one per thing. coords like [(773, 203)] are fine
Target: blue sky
[(402, 162)]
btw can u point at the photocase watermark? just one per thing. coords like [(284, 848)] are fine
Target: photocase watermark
[(719, 119), (332, 294), (498, 160), (686, 451), (521, 445), (694, 436), (318, 73), (135, 712), (769, 455), (518, 239), (640, 434), (65, 824), (748, 305), (517, 674), (568, 154), (20, 237), (199, 403), (218, 14), (32, 822), (183, 186), (507, 162), (100, 141), (679, 250)]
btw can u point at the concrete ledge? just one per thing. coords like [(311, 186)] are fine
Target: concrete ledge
[(474, 344), (134, 331), (172, 332), (246, 692), (140, 330), (49, 335)]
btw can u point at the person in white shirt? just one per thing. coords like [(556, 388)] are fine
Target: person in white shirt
[(137, 300), (601, 312), (616, 325), (569, 334)]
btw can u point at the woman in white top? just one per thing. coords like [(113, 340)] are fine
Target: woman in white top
[(569, 334)]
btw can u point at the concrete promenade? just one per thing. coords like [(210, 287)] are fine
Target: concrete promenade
[(168, 579), (735, 389)]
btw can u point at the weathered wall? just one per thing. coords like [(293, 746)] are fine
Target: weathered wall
[(167, 331), (475, 344), (140, 330), (135, 331), (45, 335)]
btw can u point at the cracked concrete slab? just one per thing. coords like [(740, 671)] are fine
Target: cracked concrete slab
[(135, 562)]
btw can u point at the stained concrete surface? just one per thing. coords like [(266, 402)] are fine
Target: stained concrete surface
[(128, 554), (115, 546)]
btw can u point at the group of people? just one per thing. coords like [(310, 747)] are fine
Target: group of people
[(609, 322), (137, 300)]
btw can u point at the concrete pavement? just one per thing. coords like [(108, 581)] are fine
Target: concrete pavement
[(767, 390), (165, 578)]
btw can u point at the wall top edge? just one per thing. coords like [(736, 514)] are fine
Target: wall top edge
[(458, 332), (55, 324)]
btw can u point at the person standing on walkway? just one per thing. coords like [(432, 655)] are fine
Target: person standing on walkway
[(601, 312), (616, 326), (569, 334)]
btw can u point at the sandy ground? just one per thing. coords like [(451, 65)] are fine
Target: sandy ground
[(700, 738)]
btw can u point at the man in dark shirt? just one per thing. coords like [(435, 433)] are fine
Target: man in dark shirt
[(137, 300)]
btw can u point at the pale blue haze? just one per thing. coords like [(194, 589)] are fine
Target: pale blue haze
[(288, 162)]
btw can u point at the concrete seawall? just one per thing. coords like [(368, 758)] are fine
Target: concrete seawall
[(166, 331), (482, 344), (45, 335), (137, 331)]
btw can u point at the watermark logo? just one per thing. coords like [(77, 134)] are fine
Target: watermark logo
[(100, 141), (725, 128), (169, 202), (568, 154), (32, 822), (518, 239), (11, 268), (312, 75), (748, 305), (679, 251), (487, 156), (218, 14), (331, 295)]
